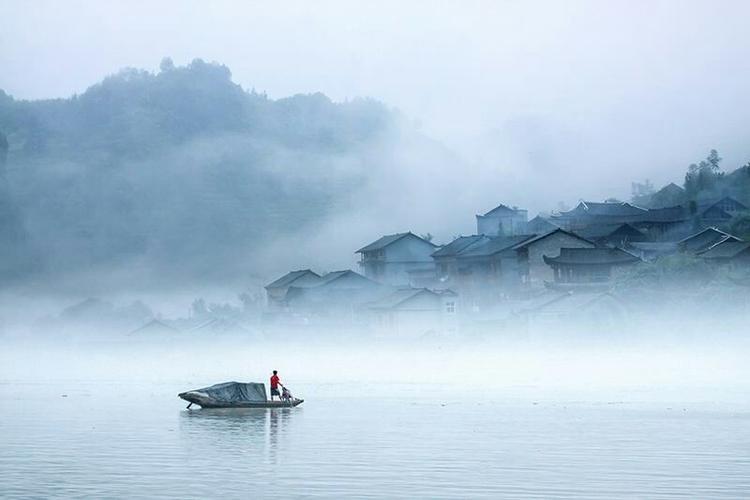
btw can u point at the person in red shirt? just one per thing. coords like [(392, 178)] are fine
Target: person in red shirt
[(275, 383)]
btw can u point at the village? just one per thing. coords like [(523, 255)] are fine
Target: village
[(513, 271)]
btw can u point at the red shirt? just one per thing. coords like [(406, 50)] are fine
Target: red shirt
[(275, 382)]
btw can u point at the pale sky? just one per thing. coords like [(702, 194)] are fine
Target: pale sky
[(547, 100)]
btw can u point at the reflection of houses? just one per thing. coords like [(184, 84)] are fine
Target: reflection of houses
[(589, 265), (734, 254), (416, 311), (503, 220), (277, 290), (703, 240), (391, 258)]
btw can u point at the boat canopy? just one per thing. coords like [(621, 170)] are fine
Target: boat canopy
[(235, 392)]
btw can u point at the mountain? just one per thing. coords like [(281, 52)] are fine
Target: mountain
[(181, 172)]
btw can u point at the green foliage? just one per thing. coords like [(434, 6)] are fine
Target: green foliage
[(172, 167), (704, 177), (666, 273)]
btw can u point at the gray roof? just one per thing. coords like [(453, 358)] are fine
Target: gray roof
[(605, 209), (704, 205), (596, 231), (585, 256), (458, 245), (540, 222), (502, 209), (289, 278), (726, 249), (705, 239), (389, 239), (335, 275), (403, 295), (675, 213), (535, 238), (491, 246)]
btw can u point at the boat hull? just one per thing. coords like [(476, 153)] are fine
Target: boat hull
[(205, 401)]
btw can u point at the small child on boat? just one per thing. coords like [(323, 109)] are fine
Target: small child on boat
[(285, 394)]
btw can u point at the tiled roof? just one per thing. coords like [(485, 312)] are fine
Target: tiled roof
[(502, 209), (398, 297), (291, 277), (458, 245), (725, 249), (539, 237), (605, 209), (388, 239), (491, 246), (584, 256)]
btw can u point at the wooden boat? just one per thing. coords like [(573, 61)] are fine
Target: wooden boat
[(235, 395)]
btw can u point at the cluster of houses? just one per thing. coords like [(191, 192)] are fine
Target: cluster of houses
[(549, 266)]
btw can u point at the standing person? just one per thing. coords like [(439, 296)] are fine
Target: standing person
[(275, 383)]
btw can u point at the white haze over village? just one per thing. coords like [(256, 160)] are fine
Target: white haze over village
[(347, 192)]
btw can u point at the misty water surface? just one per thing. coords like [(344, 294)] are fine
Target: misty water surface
[(494, 422)]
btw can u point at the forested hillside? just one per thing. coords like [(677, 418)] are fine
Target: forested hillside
[(182, 171)]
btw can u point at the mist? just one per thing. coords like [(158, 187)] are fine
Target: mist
[(583, 96), (493, 249)]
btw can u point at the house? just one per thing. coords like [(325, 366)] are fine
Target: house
[(665, 224), (489, 269), (389, 259), (414, 312), (703, 240), (589, 265), (669, 195), (651, 250), (503, 221), (734, 254), (590, 212), (446, 256), (277, 290), (727, 204), (337, 294), (156, 329), (540, 225), (530, 254), (617, 234), (484, 269)]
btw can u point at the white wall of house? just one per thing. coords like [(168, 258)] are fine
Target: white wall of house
[(538, 271), (407, 254), (505, 223)]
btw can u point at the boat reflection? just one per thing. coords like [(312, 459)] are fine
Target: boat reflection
[(257, 427)]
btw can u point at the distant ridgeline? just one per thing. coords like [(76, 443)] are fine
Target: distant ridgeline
[(182, 169)]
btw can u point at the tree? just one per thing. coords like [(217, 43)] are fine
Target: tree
[(703, 176), (166, 65)]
